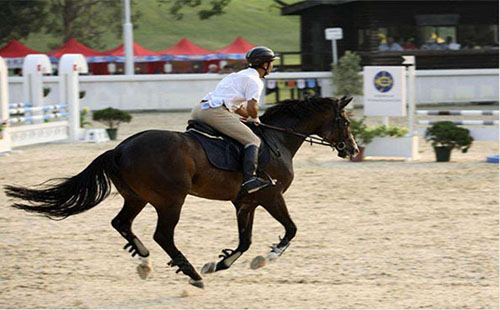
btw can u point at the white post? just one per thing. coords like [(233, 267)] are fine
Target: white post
[(128, 39), (334, 51), (33, 69), (334, 34), (411, 98), (70, 66), (385, 121), (4, 108), (409, 61)]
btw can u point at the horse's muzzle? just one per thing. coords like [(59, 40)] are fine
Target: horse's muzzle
[(346, 151)]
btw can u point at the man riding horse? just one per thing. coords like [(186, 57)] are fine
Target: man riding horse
[(161, 167), (217, 109)]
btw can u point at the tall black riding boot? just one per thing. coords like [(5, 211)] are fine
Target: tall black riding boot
[(251, 183)]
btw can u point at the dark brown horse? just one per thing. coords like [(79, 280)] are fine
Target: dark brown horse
[(163, 167)]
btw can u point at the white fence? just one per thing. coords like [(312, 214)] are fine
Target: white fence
[(457, 86), (182, 91), (30, 108)]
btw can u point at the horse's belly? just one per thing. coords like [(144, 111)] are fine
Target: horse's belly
[(216, 184)]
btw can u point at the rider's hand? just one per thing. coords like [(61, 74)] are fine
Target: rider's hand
[(256, 120)]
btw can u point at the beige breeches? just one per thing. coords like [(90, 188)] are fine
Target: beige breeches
[(227, 123)]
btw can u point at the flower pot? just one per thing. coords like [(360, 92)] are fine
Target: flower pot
[(112, 133), (443, 153), (360, 156)]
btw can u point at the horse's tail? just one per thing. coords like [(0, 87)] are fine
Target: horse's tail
[(68, 196)]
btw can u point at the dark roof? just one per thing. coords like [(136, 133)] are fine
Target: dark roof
[(298, 7)]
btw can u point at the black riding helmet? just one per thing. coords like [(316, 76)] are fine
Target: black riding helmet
[(258, 56)]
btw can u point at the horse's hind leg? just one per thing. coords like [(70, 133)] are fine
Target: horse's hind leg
[(123, 224), (168, 217)]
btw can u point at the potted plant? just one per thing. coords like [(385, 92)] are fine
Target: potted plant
[(446, 136), (111, 118), (393, 141), (363, 136)]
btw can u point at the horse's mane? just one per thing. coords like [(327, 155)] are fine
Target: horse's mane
[(298, 109)]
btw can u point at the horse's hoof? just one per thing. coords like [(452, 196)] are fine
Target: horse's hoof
[(258, 262), (198, 284), (144, 271), (208, 268)]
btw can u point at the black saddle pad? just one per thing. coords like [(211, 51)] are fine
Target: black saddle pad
[(224, 152)]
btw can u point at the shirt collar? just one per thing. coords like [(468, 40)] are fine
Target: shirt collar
[(253, 72)]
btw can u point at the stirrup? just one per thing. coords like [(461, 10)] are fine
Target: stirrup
[(255, 184)]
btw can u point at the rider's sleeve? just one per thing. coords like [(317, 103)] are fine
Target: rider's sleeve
[(253, 89)]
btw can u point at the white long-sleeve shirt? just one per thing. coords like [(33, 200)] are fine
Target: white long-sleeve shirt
[(235, 89)]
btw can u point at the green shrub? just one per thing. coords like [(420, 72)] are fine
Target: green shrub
[(362, 134), (449, 135), (388, 131), (111, 117), (346, 75)]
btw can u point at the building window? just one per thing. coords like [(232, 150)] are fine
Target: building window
[(437, 37), (478, 36), (396, 38)]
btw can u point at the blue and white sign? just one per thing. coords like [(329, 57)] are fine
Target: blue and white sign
[(384, 91)]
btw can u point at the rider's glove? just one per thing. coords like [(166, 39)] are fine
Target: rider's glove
[(256, 120)]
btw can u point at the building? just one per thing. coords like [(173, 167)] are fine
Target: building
[(441, 34)]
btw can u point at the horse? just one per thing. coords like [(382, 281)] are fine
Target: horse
[(162, 167)]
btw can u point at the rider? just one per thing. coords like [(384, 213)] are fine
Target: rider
[(218, 107)]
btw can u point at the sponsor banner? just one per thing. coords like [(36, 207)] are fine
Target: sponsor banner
[(384, 91)]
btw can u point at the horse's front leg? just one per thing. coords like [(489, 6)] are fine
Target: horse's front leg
[(245, 214), (276, 206)]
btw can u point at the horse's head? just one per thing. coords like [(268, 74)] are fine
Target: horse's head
[(335, 128)]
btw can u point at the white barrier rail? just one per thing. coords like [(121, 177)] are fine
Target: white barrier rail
[(458, 112), (38, 109), (20, 105), (34, 103), (463, 122), (23, 119)]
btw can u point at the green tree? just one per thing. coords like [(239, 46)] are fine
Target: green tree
[(215, 7), (86, 20), (346, 75), (20, 18)]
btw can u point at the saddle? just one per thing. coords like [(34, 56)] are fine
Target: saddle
[(224, 152)]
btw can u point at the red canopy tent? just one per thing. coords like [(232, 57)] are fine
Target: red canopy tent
[(145, 61), (14, 53), (95, 59), (187, 56), (74, 47), (139, 52), (186, 50), (234, 54), (15, 49), (236, 50)]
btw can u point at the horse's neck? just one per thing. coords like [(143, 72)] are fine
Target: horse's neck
[(291, 142)]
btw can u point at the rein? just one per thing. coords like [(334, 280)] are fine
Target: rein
[(311, 139)]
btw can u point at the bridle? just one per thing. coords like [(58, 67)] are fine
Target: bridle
[(340, 147), (308, 138)]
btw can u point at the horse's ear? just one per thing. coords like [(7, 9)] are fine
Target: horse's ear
[(344, 102)]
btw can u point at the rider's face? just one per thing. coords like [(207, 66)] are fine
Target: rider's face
[(271, 65)]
